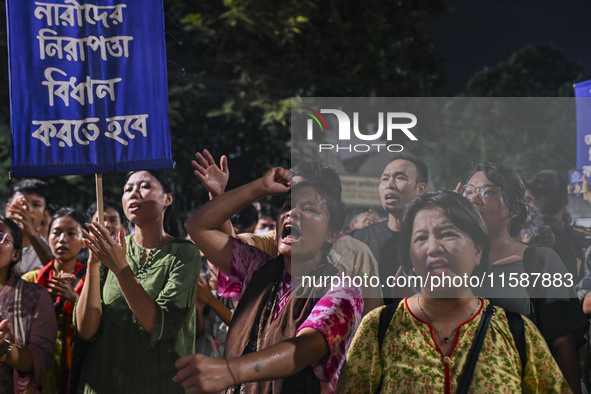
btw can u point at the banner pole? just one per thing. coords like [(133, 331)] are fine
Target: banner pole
[(99, 198)]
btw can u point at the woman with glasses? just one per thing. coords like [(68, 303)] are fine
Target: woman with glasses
[(27, 321), (497, 193)]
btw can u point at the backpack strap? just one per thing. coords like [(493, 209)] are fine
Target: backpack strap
[(529, 266), (516, 326), (386, 316), (468, 372)]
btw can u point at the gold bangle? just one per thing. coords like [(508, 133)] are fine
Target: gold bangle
[(229, 370)]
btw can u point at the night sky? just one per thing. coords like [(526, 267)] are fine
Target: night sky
[(474, 33)]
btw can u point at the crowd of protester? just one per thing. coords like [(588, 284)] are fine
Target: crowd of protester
[(138, 307)]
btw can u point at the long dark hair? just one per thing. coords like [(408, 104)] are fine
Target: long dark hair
[(70, 213), (512, 189), (172, 223), (17, 239)]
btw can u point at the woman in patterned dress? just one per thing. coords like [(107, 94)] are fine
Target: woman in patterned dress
[(283, 337), (430, 335), (27, 321)]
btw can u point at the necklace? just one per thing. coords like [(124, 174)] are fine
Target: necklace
[(438, 331)]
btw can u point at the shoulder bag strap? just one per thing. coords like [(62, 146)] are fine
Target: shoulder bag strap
[(516, 326), (468, 371), (18, 326), (530, 257), (386, 317)]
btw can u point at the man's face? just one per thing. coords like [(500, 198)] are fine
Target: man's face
[(112, 221), (398, 186), (35, 205), (265, 224)]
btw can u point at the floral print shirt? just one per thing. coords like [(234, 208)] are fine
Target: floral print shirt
[(336, 315), (411, 361)]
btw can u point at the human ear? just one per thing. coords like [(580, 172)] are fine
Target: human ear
[(421, 188), (168, 200), (16, 254), (478, 254), (332, 237)]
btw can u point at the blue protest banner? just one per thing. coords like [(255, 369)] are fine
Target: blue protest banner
[(88, 86), (583, 103)]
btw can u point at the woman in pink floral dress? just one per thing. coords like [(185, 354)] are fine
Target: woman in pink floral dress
[(284, 337)]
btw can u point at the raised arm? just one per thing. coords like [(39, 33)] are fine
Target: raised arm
[(214, 178), (204, 225), (89, 309), (199, 373), (21, 214)]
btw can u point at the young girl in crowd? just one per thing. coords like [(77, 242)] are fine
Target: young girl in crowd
[(27, 322), (140, 315), (63, 277), (283, 337)]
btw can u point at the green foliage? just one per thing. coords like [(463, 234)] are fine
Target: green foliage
[(548, 141), (241, 61), (245, 59), (533, 71)]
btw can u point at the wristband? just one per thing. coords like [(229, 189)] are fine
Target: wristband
[(231, 374)]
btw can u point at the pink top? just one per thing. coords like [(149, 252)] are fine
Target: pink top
[(38, 314), (336, 315)]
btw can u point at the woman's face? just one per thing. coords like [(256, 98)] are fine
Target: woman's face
[(302, 225), (144, 198), (488, 200), (112, 221), (65, 238), (7, 252), (438, 246)]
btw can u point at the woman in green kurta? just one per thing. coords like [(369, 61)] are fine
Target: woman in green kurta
[(137, 307)]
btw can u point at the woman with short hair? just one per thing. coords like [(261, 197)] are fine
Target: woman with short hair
[(427, 339)]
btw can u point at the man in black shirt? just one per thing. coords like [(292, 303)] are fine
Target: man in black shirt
[(403, 179)]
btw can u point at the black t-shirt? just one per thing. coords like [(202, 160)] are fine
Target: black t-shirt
[(383, 243), (562, 244)]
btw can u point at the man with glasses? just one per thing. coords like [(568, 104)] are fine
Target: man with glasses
[(403, 179)]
